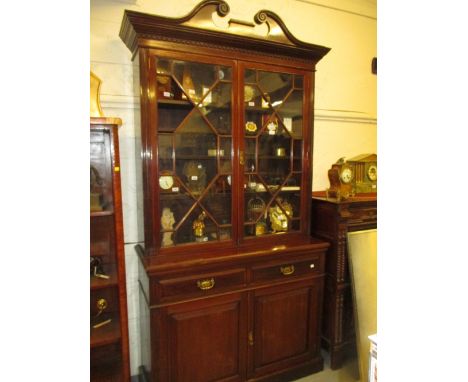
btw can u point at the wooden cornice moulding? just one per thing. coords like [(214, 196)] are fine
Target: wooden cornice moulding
[(199, 28)]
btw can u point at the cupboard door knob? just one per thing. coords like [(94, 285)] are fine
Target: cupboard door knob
[(206, 284), (251, 339), (287, 270)]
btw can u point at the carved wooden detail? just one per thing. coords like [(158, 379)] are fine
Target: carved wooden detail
[(332, 221), (339, 321), (199, 28), (341, 252)]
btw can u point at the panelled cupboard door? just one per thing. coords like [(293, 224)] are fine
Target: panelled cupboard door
[(285, 327), (206, 340)]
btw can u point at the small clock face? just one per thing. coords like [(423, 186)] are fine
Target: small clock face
[(372, 172), (346, 175), (166, 182)]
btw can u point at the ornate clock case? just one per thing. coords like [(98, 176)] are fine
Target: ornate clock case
[(340, 176), (231, 280), (365, 170)]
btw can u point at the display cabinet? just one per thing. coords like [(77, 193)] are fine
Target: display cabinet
[(109, 329), (231, 281), (331, 220)]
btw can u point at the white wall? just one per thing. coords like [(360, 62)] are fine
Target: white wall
[(345, 123)]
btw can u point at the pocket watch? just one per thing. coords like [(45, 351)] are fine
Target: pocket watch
[(166, 182)]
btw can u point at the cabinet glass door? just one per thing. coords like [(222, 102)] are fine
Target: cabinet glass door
[(273, 145), (194, 151)]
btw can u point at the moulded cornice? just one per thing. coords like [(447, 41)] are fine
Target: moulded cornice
[(198, 28)]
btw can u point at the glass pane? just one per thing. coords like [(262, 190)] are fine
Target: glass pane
[(255, 207), (171, 114), (195, 151), (298, 81), (197, 228), (166, 87), (257, 110), (165, 152), (225, 158), (274, 155), (250, 155), (293, 183), (296, 225), (196, 79), (292, 199), (250, 76), (279, 216), (217, 200), (225, 233), (297, 155), (216, 106), (177, 199), (273, 116), (100, 172), (224, 73), (275, 86), (291, 113), (255, 204)]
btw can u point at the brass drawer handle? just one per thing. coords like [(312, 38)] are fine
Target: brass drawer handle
[(287, 270), (206, 284)]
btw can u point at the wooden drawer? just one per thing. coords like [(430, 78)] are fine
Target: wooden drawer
[(199, 284), (286, 269), (361, 216)]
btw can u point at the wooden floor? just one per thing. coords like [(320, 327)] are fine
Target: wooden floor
[(348, 373)]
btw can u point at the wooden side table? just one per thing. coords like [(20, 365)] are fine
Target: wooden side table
[(332, 220)]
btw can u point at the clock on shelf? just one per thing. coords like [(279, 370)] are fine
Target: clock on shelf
[(341, 176), (365, 170), (166, 182)]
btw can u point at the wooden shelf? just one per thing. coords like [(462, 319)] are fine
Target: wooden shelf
[(199, 157), (101, 213), (174, 102), (269, 157), (107, 334), (100, 248), (99, 283)]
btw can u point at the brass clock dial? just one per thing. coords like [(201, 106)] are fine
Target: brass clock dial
[(372, 172), (346, 175), (166, 182)]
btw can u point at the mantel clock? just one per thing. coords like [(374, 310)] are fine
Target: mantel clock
[(341, 176), (365, 170)]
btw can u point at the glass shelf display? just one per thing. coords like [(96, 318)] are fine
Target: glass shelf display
[(208, 115), (108, 308), (195, 152), (273, 118)]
